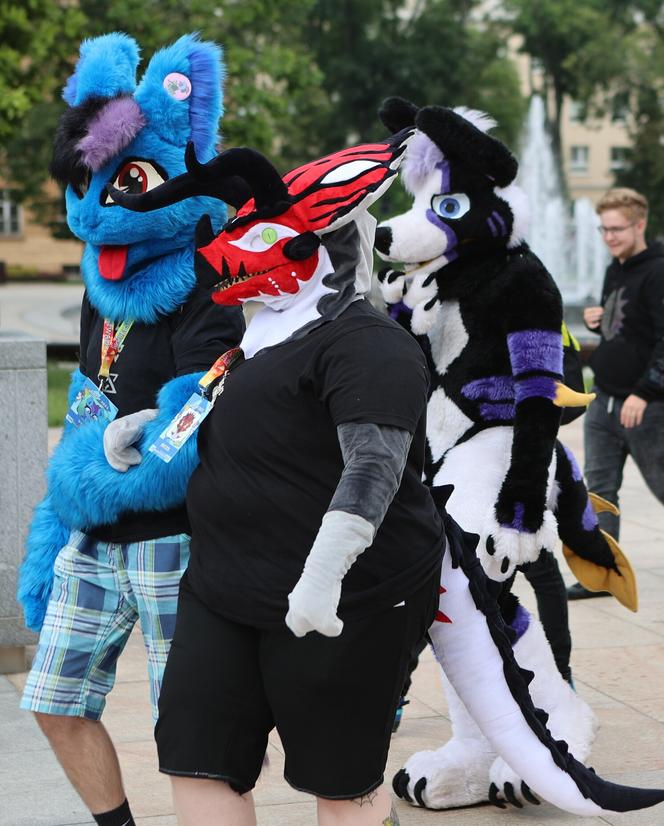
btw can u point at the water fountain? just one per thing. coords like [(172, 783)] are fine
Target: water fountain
[(563, 235)]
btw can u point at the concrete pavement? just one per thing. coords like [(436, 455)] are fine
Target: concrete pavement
[(618, 662), (48, 311)]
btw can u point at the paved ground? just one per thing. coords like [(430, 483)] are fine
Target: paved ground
[(48, 311), (618, 663)]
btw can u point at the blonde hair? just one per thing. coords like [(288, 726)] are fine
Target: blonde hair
[(631, 203)]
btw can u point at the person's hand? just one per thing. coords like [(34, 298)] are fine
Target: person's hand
[(632, 411), (592, 316), (120, 434)]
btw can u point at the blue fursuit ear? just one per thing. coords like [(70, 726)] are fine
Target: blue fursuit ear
[(180, 94), (106, 67)]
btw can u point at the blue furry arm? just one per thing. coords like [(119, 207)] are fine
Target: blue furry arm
[(87, 492), (47, 535)]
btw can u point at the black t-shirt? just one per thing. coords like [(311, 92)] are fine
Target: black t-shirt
[(271, 461), (187, 341), (630, 355)]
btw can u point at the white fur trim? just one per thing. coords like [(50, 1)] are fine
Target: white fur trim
[(449, 337), (517, 200), (446, 423), (480, 120)]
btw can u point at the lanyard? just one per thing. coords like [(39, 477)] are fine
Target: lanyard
[(112, 341), (221, 367)]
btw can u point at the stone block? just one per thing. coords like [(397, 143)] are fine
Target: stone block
[(23, 455)]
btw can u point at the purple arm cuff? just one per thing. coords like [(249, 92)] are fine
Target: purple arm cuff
[(535, 351)]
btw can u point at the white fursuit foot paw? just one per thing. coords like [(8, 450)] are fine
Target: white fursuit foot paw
[(501, 549), (507, 787), (454, 775)]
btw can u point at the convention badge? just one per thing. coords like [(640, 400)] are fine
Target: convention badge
[(184, 425), (91, 405)]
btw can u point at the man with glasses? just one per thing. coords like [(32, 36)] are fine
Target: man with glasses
[(627, 418)]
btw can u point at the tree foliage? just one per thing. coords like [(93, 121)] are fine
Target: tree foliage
[(577, 43), (303, 76)]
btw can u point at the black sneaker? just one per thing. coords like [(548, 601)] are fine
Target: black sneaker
[(577, 591)]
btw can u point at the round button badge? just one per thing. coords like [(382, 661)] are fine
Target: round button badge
[(177, 85)]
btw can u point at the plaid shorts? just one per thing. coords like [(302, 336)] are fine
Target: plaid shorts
[(99, 591)]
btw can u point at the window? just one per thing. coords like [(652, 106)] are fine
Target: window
[(10, 214), (577, 112), (620, 107), (579, 156), (618, 158)]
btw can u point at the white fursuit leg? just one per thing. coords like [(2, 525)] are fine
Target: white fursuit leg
[(570, 717), (474, 666), (457, 774)]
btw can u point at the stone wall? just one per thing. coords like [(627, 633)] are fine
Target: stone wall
[(23, 454)]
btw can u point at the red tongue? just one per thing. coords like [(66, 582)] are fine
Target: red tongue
[(112, 262)]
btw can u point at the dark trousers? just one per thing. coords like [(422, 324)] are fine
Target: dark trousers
[(547, 582), (608, 444)]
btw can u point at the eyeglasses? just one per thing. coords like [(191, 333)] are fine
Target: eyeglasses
[(613, 230)]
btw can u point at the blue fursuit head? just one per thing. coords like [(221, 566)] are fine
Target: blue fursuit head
[(138, 267)]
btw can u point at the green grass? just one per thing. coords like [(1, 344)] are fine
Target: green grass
[(58, 376)]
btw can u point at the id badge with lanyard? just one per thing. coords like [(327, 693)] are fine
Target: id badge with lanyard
[(188, 419)]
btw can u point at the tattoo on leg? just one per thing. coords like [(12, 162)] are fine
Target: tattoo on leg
[(393, 819), (365, 800)]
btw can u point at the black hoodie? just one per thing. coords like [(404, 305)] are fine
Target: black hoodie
[(630, 355)]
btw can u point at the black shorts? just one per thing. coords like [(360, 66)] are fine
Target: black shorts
[(332, 700)]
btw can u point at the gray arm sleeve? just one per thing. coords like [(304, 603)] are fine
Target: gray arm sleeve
[(374, 460)]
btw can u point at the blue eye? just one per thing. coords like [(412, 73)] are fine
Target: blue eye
[(450, 206)]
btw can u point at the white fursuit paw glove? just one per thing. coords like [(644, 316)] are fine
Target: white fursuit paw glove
[(120, 434), (502, 548), (312, 604), (392, 284)]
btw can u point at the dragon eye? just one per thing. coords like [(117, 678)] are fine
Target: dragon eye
[(136, 177), (260, 237), (450, 206)]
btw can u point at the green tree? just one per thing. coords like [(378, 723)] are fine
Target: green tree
[(577, 43), (439, 52), (37, 41), (643, 81)]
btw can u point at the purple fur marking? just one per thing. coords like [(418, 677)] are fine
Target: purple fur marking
[(449, 232), (492, 227), (535, 387), (576, 470), (536, 350), (397, 309), (521, 622), (491, 388), (517, 522), (492, 412), (499, 220), (110, 131), (589, 519), (202, 63), (444, 167)]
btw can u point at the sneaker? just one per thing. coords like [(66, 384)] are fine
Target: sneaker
[(399, 714), (577, 591)]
